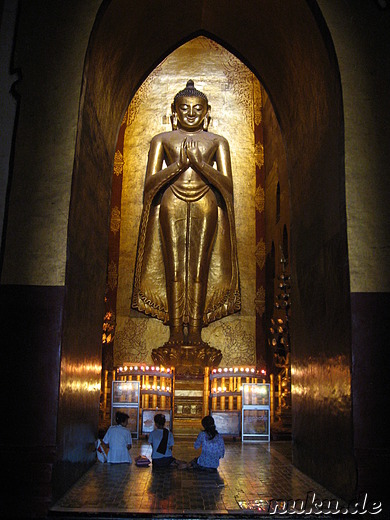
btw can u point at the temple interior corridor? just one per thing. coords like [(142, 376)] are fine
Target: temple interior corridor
[(299, 90)]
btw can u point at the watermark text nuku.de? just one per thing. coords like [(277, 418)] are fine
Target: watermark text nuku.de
[(315, 506)]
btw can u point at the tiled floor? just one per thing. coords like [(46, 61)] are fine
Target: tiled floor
[(250, 477)]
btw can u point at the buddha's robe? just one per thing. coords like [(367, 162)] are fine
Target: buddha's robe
[(187, 188)]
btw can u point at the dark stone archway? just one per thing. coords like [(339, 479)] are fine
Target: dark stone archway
[(287, 46)]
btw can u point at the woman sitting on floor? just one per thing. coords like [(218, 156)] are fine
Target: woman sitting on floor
[(213, 447)]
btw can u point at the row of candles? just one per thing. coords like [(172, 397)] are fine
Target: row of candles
[(226, 385), (154, 380), (219, 382), (233, 376), (245, 371), (153, 387), (144, 368), (254, 388)]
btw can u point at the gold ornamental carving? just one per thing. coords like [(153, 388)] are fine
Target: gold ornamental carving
[(118, 163), (112, 277), (238, 343), (140, 96), (240, 81), (188, 360), (260, 199), (130, 342), (115, 223), (259, 154), (260, 301), (260, 254), (258, 103)]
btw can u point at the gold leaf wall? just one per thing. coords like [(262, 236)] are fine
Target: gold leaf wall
[(233, 93)]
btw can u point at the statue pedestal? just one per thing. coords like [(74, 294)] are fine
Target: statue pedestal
[(187, 359)]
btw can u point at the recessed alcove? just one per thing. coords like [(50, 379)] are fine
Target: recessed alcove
[(235, 96), (309, 116)]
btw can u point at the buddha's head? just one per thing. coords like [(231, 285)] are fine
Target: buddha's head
[(190, 109)]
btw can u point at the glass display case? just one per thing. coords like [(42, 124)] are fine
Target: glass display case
[(147, 421), (256, 394), (256, 418), (227, 422), (126, 398), (226, 396), (155, 392), (126, 392)]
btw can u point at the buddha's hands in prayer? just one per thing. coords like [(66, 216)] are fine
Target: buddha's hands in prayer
[(194, 154), (183, 161)]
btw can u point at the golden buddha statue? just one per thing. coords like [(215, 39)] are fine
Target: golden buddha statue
[(187, 231)]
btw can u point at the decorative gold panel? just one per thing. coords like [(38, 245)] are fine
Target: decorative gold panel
[(260, 254), (118, 163), (115, 220), (112, 275), (259, 154), (260, 199), (260, 301)]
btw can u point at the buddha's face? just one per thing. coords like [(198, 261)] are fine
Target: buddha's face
[(190, 112)]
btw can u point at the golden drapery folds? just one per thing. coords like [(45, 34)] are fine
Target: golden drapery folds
[(150, 296)]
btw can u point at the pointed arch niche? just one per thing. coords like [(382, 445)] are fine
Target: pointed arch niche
[(288, 46), (235, 96)]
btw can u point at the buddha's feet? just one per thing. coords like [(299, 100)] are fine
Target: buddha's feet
[(194, 338), (174, 342), (176, 337), (196, 342)]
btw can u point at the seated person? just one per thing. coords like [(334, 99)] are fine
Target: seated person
[(213, 447), (118, 440), (162, 442)]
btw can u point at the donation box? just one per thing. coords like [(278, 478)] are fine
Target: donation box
[(255, 412)]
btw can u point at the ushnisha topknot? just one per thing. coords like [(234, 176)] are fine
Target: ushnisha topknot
[(190, 91)]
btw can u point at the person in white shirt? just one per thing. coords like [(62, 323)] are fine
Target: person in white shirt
[(118, 440)]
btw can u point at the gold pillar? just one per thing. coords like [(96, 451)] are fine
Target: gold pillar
[(231, 389), (146, 396), (214, 400), (154, 397), (206, 391), (239, 397), (162, 398), (223, 398)]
